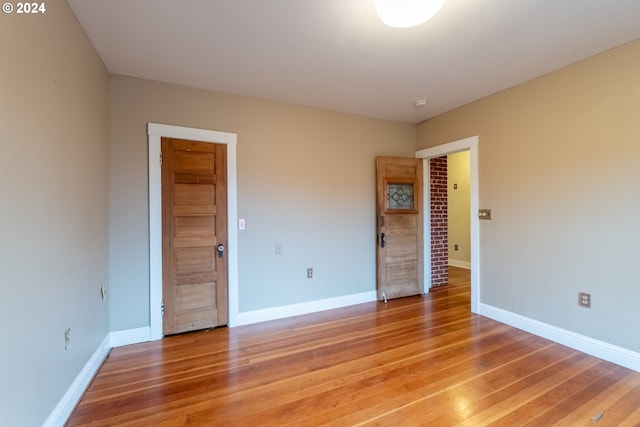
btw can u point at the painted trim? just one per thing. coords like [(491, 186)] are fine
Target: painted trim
[(426, 226), (72, 396), (156, 132), (155, 237), (66, 405), (460, 264), (470, 144), (273, 313), (603, 350), (130, 336), (448, 148)]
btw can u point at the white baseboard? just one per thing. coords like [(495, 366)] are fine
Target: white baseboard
[(130, 336), (70, 399), (603, 350), (65, 406), (461, 264), (249, 317)]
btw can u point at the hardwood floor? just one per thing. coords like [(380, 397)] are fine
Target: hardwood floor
[(417, 361)]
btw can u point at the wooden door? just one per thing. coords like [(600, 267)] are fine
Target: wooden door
[(399, 227), (194, 235)]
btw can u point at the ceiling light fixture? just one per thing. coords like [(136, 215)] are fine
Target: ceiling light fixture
[(407, 13)]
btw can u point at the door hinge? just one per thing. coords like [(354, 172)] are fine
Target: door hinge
[(162, 308), (161, 158)]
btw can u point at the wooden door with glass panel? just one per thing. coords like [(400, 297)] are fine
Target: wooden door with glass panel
[(399, 251)]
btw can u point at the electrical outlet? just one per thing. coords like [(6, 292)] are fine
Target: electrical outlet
[(278, 249), (455, 247), (309, 273), (67, 338), (584, 300)]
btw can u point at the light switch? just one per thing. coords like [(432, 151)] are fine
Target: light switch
[(484, 214), (242, 224)]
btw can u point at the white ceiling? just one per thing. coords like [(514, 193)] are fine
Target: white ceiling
[(337, 55)]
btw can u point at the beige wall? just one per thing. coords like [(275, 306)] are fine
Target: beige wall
[(459, 226), (558, 166), (53, 182), (306, 181)]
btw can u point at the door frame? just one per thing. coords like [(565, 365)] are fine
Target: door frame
[(155, 133), (470, 144)]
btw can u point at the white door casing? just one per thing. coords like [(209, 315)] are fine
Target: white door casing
[(470, 144), (156, 132)]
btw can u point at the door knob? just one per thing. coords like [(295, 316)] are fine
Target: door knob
[(220, 250)]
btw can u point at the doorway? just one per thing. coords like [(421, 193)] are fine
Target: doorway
[(155, 133), (470, 144)]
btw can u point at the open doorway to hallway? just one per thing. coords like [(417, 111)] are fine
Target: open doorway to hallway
[(450, 218), (469, 145)]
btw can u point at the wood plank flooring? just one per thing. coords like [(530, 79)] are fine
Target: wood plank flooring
[(417, 361)]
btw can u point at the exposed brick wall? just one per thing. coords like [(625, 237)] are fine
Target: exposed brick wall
[(439, 228)]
